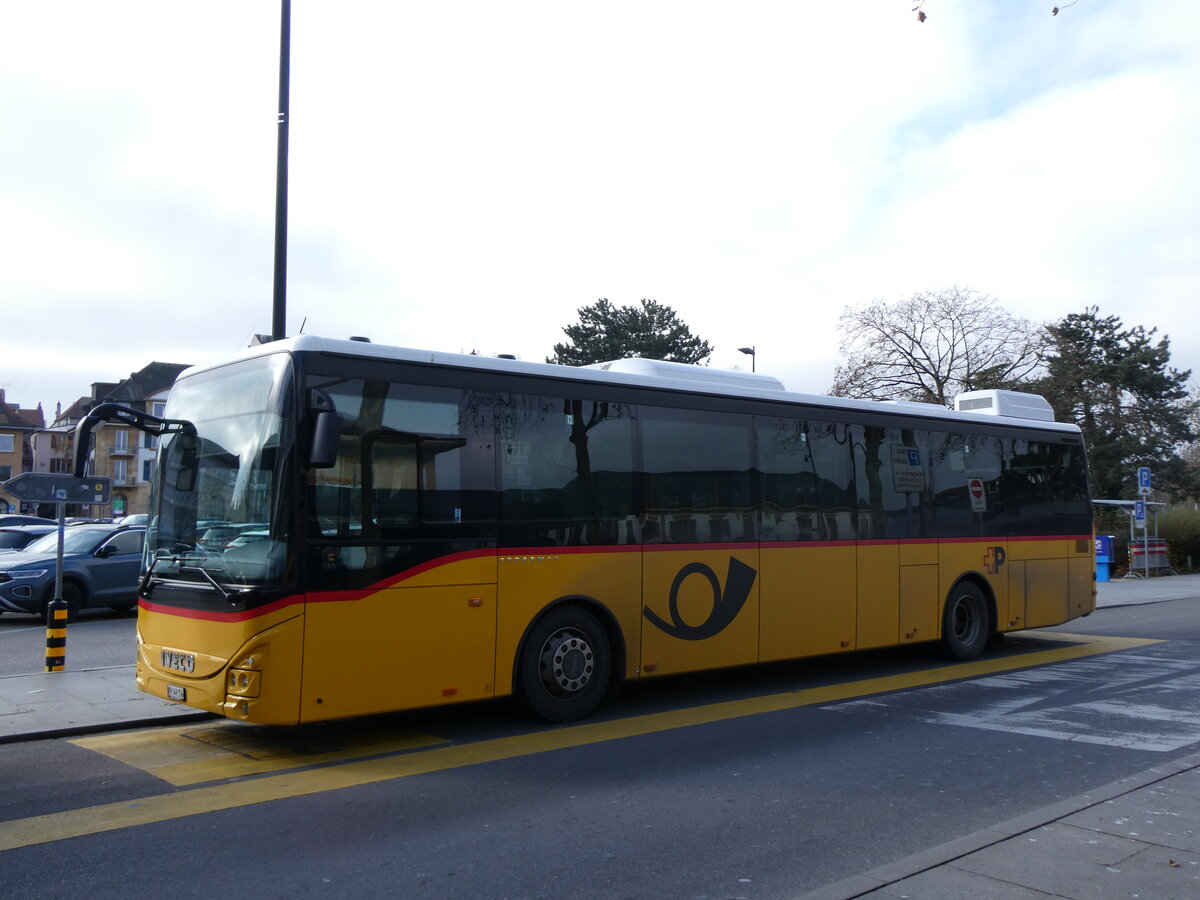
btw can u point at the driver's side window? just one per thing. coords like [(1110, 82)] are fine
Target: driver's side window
[(125, 542)]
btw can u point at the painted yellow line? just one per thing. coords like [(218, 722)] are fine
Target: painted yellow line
[(196, 801), (185, 755)]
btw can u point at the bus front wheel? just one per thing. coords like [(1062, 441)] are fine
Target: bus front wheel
[(966, 622), (565, 665)]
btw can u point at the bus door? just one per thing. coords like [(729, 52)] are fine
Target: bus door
[(700, 556), (403, 551), (898, 596), (974, 518)]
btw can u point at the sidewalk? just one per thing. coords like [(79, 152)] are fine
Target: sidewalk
[(1137, 836), (55, 704)]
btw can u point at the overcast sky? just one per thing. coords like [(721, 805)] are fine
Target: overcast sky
[(467, 175)]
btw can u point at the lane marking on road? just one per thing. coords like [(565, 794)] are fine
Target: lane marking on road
[(1150, 702), (184, 755), (213, 798)]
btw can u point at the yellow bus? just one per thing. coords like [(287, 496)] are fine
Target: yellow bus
[(340, 528)]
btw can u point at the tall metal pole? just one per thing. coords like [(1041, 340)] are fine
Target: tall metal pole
[(279, 297)]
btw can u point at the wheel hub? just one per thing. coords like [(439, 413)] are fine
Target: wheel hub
[(567, 662)]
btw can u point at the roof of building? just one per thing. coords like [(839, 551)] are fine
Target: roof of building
[(12, 416), (144, 383)]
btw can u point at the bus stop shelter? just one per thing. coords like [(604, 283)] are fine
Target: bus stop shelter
[(1148, 553)]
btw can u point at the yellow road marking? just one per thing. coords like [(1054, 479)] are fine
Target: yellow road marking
[(187, 755), (195, 801)]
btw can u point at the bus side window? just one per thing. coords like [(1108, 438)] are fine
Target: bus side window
[(697, 469), (892, 482), (805, 478), (566, 471)]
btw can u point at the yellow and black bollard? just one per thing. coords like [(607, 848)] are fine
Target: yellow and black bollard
[(56, 635)]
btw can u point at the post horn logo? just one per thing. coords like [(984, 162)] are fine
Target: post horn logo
[(727, 603)]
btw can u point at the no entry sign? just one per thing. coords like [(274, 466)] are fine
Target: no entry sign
[(976, 493)]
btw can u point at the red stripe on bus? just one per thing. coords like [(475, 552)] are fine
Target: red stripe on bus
[(510, 552), (219, 615)]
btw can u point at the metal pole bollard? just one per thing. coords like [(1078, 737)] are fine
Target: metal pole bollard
[(56, 609), (56, 635)]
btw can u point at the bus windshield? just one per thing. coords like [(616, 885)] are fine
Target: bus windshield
[(217, 514)]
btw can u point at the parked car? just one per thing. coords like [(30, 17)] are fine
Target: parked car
[(7, 519), (247, 537), (218, 537), (17, 537), (135, 519), (101, 564)]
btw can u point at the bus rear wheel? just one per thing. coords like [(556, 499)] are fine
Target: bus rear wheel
[(966, 622), (565, 665)]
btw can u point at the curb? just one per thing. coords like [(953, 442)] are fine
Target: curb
[(96, 727)]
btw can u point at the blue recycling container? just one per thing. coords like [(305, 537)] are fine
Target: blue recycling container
[(1104, 555)]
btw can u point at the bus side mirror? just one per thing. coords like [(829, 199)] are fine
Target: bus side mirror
[(327, 431), (183, 451)]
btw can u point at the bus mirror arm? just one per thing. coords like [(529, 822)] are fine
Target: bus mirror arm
[(115, 412)]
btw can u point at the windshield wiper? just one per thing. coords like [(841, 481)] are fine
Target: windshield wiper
[(225, 595), (182, 560)]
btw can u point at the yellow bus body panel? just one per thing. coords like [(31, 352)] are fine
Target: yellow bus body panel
[(808, 600), (920, 603), (878, 594), (398, 648), (426, 639)]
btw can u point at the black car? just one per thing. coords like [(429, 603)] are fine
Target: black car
[(16, 537), (7, 519)]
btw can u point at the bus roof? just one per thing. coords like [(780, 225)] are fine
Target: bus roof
[(1009, 410)]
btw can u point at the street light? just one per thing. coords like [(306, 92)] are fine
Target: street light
[(749, 351)]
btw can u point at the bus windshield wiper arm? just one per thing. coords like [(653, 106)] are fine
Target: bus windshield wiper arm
[(226, 595)]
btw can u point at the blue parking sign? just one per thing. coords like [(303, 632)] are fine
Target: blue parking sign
[(1143, 478), (1139, 513)]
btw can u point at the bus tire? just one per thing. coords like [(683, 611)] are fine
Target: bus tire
[(966, 622), (565, 665)]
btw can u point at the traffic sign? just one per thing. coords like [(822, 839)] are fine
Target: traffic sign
[(977, 495), (1139, 513), (39, 487), (1143, 476)]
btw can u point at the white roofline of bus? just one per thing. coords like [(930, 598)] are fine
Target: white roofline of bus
[(768, 388)]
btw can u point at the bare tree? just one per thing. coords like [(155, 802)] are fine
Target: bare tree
[(919, 9), (932, 346)]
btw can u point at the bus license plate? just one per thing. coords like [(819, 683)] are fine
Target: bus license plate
[(175, 692)]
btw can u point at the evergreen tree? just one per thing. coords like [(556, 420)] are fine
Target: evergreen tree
[(1135, 410), (606, 332)]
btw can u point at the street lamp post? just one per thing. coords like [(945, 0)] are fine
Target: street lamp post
[(753, 354), (279, 295)]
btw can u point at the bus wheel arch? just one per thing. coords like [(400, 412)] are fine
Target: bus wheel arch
[(968, 619), (570, 658)]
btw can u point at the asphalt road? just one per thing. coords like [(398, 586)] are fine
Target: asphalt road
[(97, 639), (760, 783)]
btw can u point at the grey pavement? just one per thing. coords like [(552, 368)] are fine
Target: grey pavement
[(1137, 837)]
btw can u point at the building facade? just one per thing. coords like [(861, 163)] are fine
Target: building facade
[(17, 427)]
